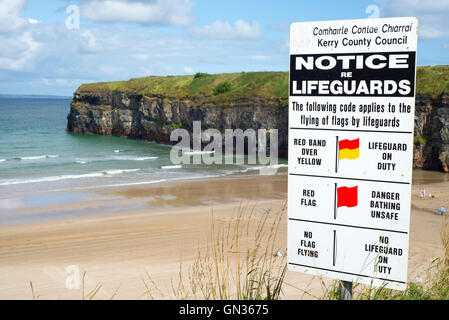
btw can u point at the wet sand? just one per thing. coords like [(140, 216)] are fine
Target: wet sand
[(164, 225)]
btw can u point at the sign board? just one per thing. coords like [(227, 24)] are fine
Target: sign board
[(351, 121)]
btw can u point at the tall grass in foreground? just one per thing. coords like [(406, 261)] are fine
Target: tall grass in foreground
[(435, 286), (241, 260)]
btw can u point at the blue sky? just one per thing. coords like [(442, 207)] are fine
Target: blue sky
[(122, 39)]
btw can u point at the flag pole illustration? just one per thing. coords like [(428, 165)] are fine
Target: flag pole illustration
[(335, 201), (335, 249), (347, 149), (337, 153), (345, 197)]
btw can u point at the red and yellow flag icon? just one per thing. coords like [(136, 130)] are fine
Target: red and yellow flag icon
[(348, 149), (347, 197)]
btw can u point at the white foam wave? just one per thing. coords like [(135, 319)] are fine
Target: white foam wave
[(119, 171), (2, 160), (274, 166), (115, 158), (131, 158), (49, 179), (198, 152), (38, 157), (131, 183), (66, 177), (171, 167)]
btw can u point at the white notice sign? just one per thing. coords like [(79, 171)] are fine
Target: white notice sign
[(351, 120)]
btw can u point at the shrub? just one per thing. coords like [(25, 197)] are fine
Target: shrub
[(199, 75), (419, 139), (222, 88)]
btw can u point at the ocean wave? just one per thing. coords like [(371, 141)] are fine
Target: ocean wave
[(132, 183), (171, 167), (2, 160), (140, 183), (274, 166), (150, 182), (49, 179), (188, 151), (131, 158), (119, 171), (38, 157), (115, 158), (66, 177), (198, 152)]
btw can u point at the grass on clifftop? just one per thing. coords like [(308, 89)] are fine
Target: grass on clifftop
[(431, 81), (216, 87)]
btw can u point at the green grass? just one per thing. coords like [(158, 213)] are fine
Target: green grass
[(215, 88), (239, 261), (222, 88), (432, 81), (419, 139)]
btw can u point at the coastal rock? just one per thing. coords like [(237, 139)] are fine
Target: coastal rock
[(153, 118)]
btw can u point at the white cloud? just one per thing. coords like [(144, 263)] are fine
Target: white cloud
[(33, 21), (224, 30), (141, 56), (158, 12), (63, 82), (111, 70), (46, 57), (10, 19), (19, 48), (259, 57), (433, 16), (20, 54), (188, 70), (88, 42)]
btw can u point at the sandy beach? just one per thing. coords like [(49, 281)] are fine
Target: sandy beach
[(166, 224)]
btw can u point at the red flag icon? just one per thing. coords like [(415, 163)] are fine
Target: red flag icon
[(347, 197), (349, 144)]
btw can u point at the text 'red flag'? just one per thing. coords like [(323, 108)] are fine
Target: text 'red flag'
[(347, 197), (348, 149)]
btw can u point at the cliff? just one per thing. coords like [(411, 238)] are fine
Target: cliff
[(151, 108)]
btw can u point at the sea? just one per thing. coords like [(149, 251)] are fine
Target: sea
[(38, 155)]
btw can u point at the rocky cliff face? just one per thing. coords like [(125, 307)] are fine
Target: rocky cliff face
[(153, 118), (432, 133)]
